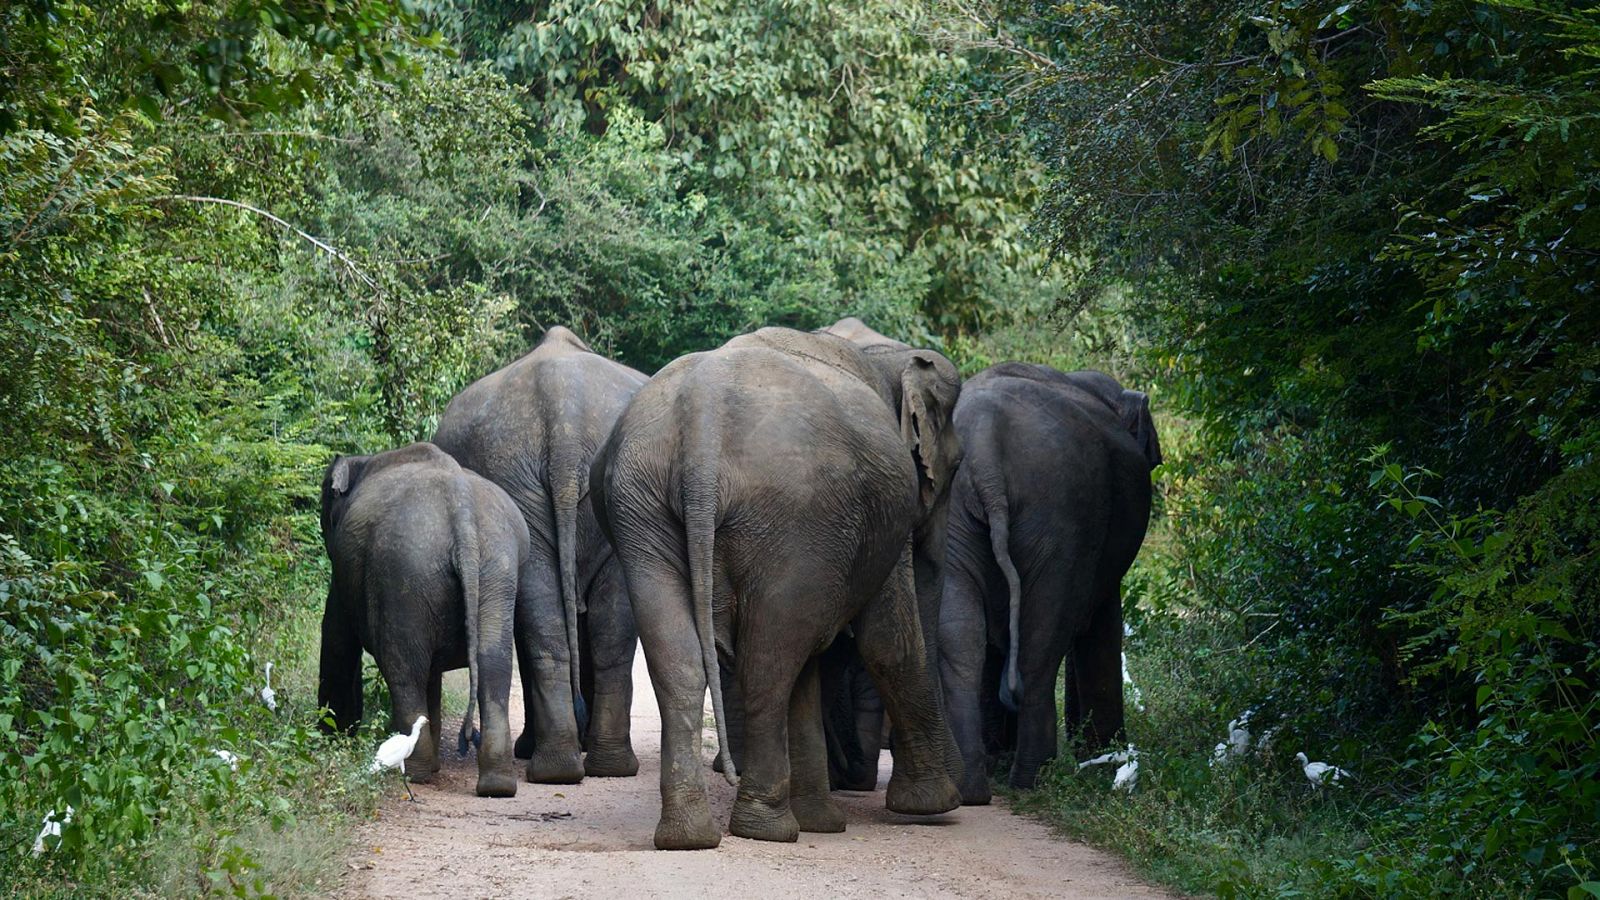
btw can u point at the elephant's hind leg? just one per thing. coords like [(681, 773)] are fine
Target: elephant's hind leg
[(813, 808), (664, 613)]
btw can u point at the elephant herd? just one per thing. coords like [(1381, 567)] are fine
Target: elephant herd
[(824, 529)]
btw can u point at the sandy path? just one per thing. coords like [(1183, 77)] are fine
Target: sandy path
[(593, 840)]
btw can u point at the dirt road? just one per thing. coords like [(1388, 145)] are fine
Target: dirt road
[(593, 840)]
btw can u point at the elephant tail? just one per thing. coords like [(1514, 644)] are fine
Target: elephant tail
[(1134, 411), (700, 530), (466, 546), (994, 509), (565, 497)]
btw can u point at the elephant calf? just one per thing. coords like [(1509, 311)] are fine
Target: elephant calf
[(1046, 515), (427, 561)]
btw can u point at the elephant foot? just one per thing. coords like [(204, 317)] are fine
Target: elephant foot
[(1024, 777), (975, 790), (686, 826), (497, 784), (927, 797), (859, 781), (611, 764), (555, 767), (762, 821), (420, 775), (818, 815)]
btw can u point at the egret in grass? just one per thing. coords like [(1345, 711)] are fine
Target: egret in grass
[(52, 828), (1320, 773), (1115, 756), (1134, 693), (268, 695), (228, 757), (1127, 773), (393, 753)]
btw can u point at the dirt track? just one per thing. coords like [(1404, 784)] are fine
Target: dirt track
[(593, 840)]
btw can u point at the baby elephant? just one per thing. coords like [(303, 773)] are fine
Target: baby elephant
[(427, 559)]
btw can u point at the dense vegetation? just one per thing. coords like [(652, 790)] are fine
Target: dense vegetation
[(1348, 246)]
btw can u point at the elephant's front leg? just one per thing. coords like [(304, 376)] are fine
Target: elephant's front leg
[(963, 643), (613, 638), (550, 731), (890, 636), (813, 809)]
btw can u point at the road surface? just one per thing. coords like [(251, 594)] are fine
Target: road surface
[(594, 840)]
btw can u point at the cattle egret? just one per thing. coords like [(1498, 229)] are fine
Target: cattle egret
[(393, 753), (1115, 756), (1133, 689), (1219, 753), (1128, 773), (228, 757), (268, 695), (1320, 773), (52, 828)]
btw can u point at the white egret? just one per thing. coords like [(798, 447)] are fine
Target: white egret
[(228, 757), (1128, 773), (1320, 773), (1133, 689), (52, 828), (268, 695), (393, 753), (1115, 756)]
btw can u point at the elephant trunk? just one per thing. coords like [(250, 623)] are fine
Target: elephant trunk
[(993, 499), (565, 500), (700, 530), (466, 547)]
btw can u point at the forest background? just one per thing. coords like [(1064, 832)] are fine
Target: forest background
[(1349, 248)]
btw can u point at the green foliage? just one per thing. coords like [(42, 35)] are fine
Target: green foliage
[(233, 60), (810, 118), (1347, 225)]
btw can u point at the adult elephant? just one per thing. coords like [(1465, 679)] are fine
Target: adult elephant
[(427, 562), (760, 497), (852, 708), (1046, 516), (533, 427)]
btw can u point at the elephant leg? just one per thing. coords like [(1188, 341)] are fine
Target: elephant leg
[(999, 724), (550, 730), (613, 638), (496, 772), (962, 656), (339, 672), (733, 708), (768, 668), (1097, 669), (867, 705), (408, 698), (889, 634), (813, 809), (664, 613), (436, 709), (1037, 732)]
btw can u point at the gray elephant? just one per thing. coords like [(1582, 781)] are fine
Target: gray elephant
[(427, 558), (1046, 515), (532, 428), (852, 708), (761, 496)]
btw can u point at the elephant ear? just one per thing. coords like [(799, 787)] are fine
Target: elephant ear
[(1135, 414), (927, 401), (339, 475)]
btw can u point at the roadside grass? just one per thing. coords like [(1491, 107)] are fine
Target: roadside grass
[(279, 825)]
